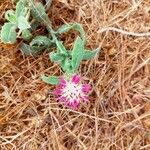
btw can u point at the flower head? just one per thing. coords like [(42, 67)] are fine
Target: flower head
[(71, 92)]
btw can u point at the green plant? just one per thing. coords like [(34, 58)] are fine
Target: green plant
[(21, 22), (69, 60), (17, 19), (29, 15)]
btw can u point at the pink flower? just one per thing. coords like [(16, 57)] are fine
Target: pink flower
[(71, 92)]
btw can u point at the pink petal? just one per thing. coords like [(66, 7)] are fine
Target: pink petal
[(76, 79), (62, 82), (61, 99), (57, 92), (85, 98), (86, 88), (74, 105)]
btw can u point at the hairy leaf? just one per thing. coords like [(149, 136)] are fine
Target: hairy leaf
[(34, 25), (42, 42), (90, 54), (23, 23), (21, 8), (56, 57), (77, 53), (50, 79), (66, 65), (10, 16), (28, 50), (38, 12), (61, 48), (26, 35), (75, 26), (8, 33)]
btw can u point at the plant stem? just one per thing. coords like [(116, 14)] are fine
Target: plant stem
[(46, 22), (51, 31)]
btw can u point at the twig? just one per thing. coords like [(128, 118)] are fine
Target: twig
[(124, 32), (83, 114)]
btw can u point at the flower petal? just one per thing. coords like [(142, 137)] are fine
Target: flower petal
[(61, 99), (85, 98), (71, 93), (57, 92), (62, 82), (76, 79), (86, 88), (74, 104)]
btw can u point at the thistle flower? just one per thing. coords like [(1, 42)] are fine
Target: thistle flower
[(72, 92)]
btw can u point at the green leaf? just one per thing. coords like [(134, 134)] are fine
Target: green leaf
[(26, 35), (10, 16), (60, 48), (66, 65), (75, 26), (56, 57), (90, 54), (23, 23), (28, 50), (21, 8), (37, 45), (34, 25), (8, 33), (50, 79), (77, 53), (42, 42), (38, 12)]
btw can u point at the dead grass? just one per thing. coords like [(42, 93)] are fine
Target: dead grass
[(118, 114)]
